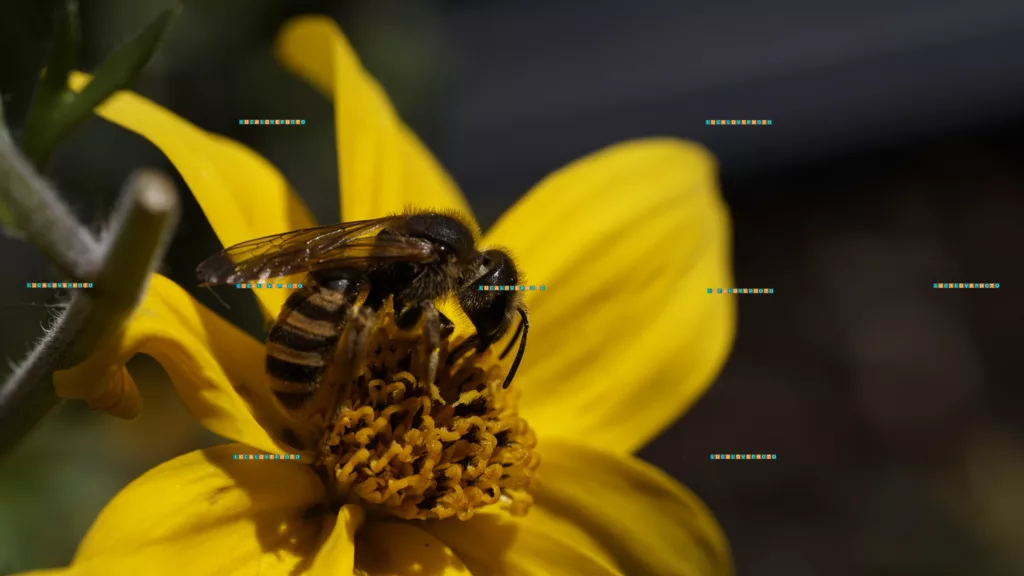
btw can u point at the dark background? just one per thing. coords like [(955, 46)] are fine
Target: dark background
[(894, 161)]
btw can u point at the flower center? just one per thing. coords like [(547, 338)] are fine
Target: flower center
[(429, 452)]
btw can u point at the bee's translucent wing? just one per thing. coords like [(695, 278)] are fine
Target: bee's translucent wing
[(348, 244)]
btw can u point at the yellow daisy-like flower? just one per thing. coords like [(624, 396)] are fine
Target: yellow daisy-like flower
[(623, 341)]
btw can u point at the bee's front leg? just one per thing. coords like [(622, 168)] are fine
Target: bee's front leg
[(467, 346), (447, 326), (410, 315)]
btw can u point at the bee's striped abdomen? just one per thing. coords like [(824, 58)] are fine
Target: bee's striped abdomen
[(303, 340)]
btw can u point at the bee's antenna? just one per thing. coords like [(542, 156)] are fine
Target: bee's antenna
[(511, 341), (215, 295), (522, 349)]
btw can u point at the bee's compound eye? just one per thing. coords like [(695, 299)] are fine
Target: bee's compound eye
[(488, 261)]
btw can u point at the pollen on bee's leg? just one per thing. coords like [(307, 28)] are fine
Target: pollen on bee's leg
[(419, 451)]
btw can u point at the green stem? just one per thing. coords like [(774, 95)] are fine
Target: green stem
[(138, 238), (42, 216), (136, 242)]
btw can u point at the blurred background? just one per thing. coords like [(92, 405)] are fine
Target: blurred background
[(894, 161)]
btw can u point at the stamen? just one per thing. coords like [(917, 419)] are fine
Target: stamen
[(430, 453)]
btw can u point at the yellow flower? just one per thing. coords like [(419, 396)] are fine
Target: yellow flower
[(624, 340)]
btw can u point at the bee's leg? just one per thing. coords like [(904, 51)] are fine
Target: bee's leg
[(407, 316), (466, 346), (350, 360), (447, 326), (376, 296), (432, 329)]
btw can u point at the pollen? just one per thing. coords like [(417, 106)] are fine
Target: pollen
[(429, 452)]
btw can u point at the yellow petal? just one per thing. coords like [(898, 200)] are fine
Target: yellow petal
[(648, 522), (210, 361), (336, 555), (624, 337), (382, 166), (206, 513), (401, 549), (538, 544), (90, 569), (242, 194)]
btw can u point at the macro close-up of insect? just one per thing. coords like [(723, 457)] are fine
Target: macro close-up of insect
[(268, 288), (352, 270)]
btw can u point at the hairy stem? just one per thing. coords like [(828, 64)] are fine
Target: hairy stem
[(136, 242), (119, 266), (42, 216)]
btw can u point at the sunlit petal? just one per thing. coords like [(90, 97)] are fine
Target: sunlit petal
[(337, 554), (216, 368), (383, 167), (648, 522), (207, 513), (242, 194), (624, 337)]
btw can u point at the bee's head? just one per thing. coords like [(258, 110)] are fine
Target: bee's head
[(492, 312), (498, 268), (489, 310)]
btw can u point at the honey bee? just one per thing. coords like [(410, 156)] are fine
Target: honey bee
[(415, 259)]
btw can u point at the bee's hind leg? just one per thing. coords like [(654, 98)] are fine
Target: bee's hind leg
[(349, 362), (435, 327)]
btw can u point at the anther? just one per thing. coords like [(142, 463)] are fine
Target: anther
[(419, 447)]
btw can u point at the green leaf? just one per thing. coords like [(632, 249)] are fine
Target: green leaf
[(51, 90), (117, 72)]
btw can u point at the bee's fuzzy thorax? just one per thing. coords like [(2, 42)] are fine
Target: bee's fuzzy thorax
[(465, 219)]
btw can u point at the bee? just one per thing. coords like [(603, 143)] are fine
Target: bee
[(415, 259)]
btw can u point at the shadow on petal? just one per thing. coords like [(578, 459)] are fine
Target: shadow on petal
[(214, 365), (207, 513), (403, 548), (539, 543)]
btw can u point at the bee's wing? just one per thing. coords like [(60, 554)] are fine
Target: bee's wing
[(348, 244), (371, 249)]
